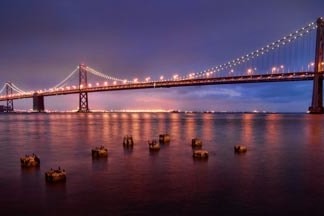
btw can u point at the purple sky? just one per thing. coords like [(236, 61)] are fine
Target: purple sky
[(43, 41)]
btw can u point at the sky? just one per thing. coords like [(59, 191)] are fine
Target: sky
[(42, 41)]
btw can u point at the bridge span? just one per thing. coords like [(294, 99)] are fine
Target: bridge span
[(268, 64), (280, 77)]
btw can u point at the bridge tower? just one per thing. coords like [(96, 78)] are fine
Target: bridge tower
[(317, 99), (10, 105), (83, 84)]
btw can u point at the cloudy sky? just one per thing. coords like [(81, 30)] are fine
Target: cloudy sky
[(42, 41)]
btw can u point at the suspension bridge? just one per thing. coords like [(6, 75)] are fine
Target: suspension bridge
[(297, 56)]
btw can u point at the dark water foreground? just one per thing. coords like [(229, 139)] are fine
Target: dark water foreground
[(281, 174)]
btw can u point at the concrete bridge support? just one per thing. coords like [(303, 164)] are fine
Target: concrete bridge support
[(38, 103), (317, 99)]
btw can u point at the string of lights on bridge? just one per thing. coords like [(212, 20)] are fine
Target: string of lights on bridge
[(12, 86), (228, 66)]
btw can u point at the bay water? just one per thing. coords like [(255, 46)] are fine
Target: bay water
[(282, 173)]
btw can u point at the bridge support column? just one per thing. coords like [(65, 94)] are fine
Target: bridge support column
[(317, 98), (10, 105), (83, 102), (38, 103), (83, 84)]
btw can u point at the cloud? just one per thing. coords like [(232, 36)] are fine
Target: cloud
[(278, 92), (207, 92)]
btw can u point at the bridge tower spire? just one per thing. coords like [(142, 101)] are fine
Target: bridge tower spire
[(83, 84), (10, 105), (317, 99)]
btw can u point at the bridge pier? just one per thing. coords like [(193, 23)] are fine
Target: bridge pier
[(10, 106), (317, 98), (38, 103), (83, 84), (83, 102)]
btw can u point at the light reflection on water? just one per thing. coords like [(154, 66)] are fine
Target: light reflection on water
[(282, 172)]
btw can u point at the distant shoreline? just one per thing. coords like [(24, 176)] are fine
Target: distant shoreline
[(143, 111)]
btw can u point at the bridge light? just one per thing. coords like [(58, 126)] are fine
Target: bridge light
[(74, 87), (310, 65), (282, 68), (89, 85), (147, 79), (97, 84), (135, 80), (273, 70), (125, 81), (106, 83), (115, 82), (161, 77), (81, 86), (249, 71), (175, 76)]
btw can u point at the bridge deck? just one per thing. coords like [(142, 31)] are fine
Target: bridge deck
[(278, 77)]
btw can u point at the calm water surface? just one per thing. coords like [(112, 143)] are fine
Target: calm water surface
[(281, 174)]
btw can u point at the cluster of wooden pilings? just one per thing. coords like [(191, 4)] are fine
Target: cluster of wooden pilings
[(51, 176), (59, 175)]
